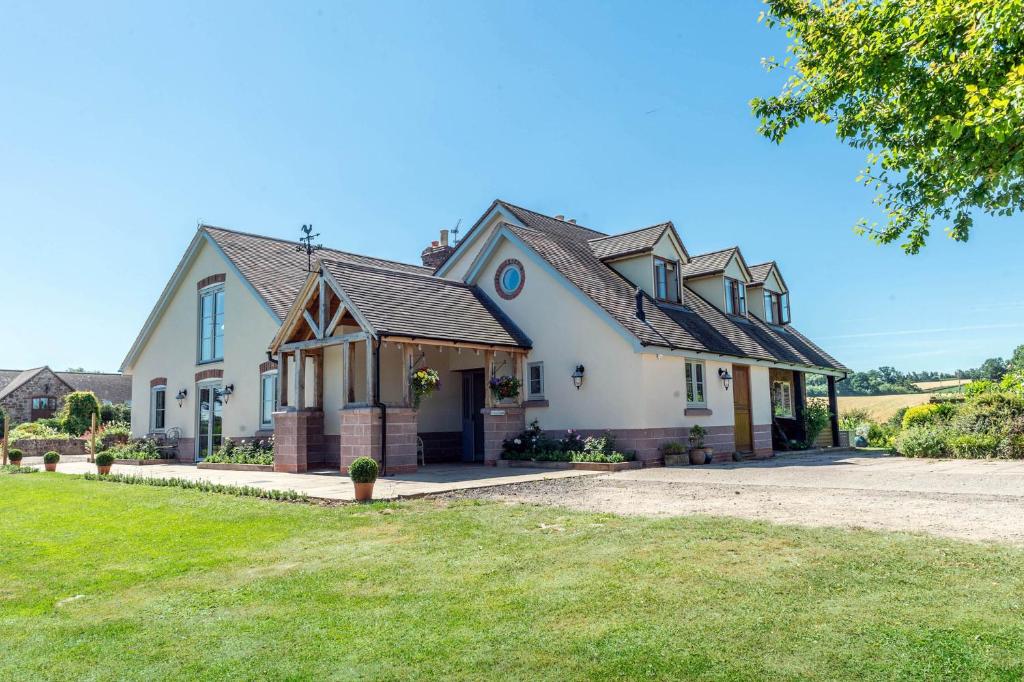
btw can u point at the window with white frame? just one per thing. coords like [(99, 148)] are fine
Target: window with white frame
[(666, 280), (782, 399), (695, 396), (268, 399), (158, 408), (535, 380), (776, 307), (211, 324), (735, 297)]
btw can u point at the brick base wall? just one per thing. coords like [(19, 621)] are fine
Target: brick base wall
[(360, 437), (763, 441), (500, 423), (186, 450), (442, 446), (646, 443), (298, 440), (39, 447)]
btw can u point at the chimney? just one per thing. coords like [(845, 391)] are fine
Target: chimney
[(437, 252), (572, 220), (640, 315), (559, 217)]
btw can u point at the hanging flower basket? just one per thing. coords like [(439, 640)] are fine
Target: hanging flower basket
[(424, 382), (505, 387)]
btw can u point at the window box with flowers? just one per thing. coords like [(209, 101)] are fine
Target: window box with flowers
[(505, 387), (423, 382)]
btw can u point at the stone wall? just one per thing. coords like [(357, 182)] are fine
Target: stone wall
[(18, 405), (360, 437), (298, 440), (39, 447), (500, 423)]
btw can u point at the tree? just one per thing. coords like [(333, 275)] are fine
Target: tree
[(933, 90), (1017, 361), (76, 414), (993, 369)]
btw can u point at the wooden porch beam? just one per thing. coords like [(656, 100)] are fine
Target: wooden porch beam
[(319, 343), (300, 380), (282, 380), (346, 369), (370, 397), (407, 360), (318, 378), (488, 371), (456, 344)]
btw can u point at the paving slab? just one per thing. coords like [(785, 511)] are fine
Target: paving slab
[(331, 485)]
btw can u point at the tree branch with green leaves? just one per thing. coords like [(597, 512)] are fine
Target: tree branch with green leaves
[(932, 89)]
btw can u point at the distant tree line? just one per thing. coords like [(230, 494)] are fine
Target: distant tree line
[(891, 381)]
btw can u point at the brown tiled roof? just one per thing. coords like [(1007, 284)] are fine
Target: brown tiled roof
[(708, 263), (8, 375), (549, 225), (400, 303), (114, 388), (18, 381), (277, 270), (759, 272), (627, 243)]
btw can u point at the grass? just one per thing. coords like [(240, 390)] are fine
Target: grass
[(881, 407), (111, 582)]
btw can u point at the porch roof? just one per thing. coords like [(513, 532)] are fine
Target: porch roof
[(418, 306)]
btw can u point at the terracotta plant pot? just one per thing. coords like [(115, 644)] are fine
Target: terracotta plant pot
[(50, 466), (103, 470), (364, 491), (697, 456)]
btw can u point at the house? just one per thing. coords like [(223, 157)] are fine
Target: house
[(31, 394), (625, 332)]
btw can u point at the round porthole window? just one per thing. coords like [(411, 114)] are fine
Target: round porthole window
[(509, 279)]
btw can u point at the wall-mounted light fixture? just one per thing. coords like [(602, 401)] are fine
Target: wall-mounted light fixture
[(724, 375), (227, 392), (182, 394), (577, 377)]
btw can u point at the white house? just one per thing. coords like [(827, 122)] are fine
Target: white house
[(245, 341)]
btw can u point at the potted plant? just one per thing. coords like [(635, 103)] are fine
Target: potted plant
[(698, 453), (50, 460), (674, 454), (424, 382), (15, 456), (104, 461), (363, 472), (505, 387)]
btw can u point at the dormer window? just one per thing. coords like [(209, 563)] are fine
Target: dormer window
[(666, 280), (735, 297), (776, 308)]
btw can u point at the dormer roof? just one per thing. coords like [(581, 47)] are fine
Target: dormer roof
[(715, 262)]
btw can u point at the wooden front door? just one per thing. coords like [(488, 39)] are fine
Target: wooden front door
[(741, 408), (472, 418)]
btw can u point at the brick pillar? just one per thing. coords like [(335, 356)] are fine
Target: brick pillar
[(401, 440), (360, 437), (500, 423), (298, 439)]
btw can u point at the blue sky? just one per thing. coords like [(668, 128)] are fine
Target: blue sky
[(123, 126)]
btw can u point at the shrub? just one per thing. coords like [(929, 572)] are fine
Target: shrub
[(921, 441), (15, 455), (854, 418), (572, 442), (896, 420), (104, 459), (363, 470), (51, 457), (974, 446), (253, 452), (881, 435), (672, 448), (76, 414), (202, 486), (992, 413), (36, 431), (979, 387), (696, 436), (115, 413), (17, 469), (816, 418), (929, 413)]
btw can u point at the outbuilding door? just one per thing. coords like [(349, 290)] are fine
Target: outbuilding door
[(472, 419), (742, 408)]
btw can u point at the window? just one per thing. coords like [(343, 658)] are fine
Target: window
[(666, 280), (268, 399), (211, 324), (782, 399), (535, 380), (769, 307), (784, 309), (735, 297), (509, 279), (158, 408), (776, 308), (42, 403), (695, 384)]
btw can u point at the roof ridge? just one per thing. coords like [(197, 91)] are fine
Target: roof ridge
[(663, 225), (550, 217), (712, 253), (204, 226)]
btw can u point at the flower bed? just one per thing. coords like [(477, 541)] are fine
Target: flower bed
[(234, 466), (254, 455), (535, 448)]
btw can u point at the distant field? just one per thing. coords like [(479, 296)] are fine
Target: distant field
[(943, 383), (881, 407)]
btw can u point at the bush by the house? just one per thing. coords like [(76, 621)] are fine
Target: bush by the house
[(673, 448), (244, 452), (76, 414), (816, 418), (17, 469), (922, 441), (37, 430), (929, 413), (973, 446), (534, 444), (115, 413), (142, 448)]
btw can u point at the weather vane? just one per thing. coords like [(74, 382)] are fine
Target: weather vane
[(455, 232), (308, 246)]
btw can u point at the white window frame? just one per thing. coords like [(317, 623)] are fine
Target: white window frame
[(267, 420), (690, 378), (211, 291), (769, 306), (529, 381), (161, 388), (782, 399)]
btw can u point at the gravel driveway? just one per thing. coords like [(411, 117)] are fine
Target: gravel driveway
[(966, 499)]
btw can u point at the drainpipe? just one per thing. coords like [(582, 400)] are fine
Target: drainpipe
[(383, 411)]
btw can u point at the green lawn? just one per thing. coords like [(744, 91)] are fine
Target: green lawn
[(179, 584)]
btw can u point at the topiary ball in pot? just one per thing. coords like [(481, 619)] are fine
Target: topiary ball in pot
[(15, 455), (104, 460), (50, 459), (363, 472)]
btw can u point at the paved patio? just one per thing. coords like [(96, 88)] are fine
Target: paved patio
[(331, 485)]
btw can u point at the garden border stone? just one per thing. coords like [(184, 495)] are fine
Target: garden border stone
[(231, 466), (582, 466), (144, 462)]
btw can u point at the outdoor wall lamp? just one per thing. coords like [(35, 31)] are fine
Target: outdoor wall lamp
[(724, 375), (577, 377), (182, 394), (226, 393)]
